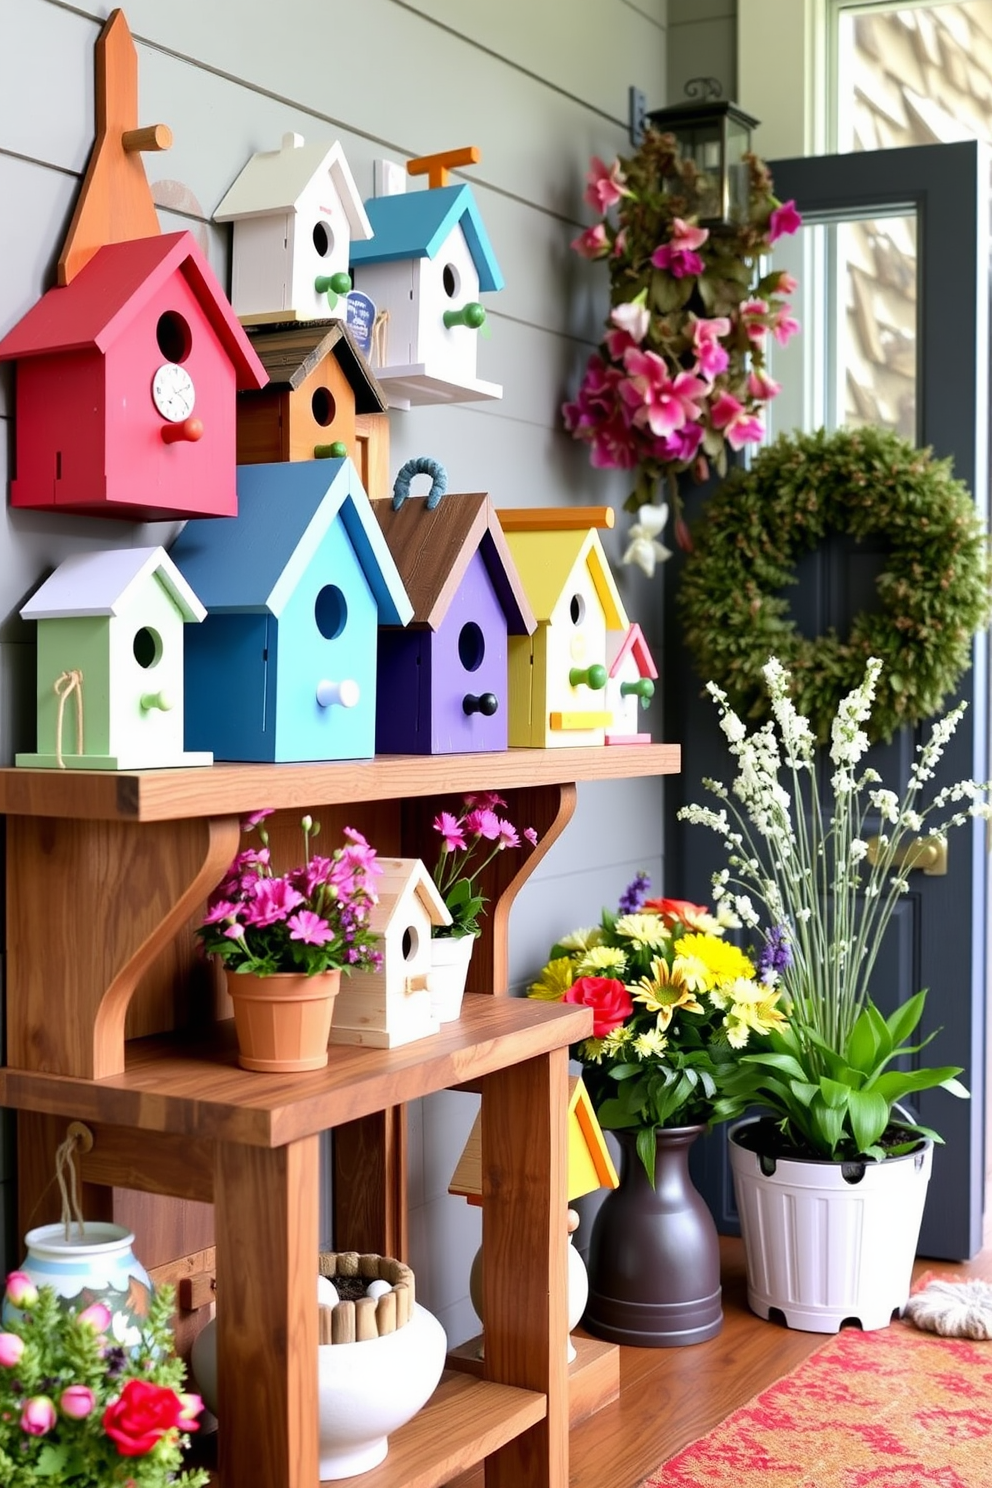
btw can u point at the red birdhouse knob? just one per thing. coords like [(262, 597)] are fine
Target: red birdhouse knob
[(190, 430)]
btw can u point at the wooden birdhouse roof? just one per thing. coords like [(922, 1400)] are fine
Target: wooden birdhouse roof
[(108, 292), (253, 562), (289, 352), (590, 1165), (105, 582), (433, 549), (632, 644), (546, 560), (400, 877), (275, 180), (416, 224)]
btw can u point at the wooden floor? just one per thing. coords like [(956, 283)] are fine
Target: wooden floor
[(669, 1397)]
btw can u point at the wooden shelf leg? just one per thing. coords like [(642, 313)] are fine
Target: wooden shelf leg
[(266, 1219), (524, 1284), (370, 1181)]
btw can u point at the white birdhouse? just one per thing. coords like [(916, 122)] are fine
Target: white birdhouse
[(386, 1008), (425, 266), (110, 662), (296, 213)]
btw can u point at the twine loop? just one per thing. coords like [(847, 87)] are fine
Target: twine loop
[(67, 1177), (66, 685), (421, 465)]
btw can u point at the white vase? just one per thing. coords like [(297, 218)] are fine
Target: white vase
[(578, 1293), (366, 1390), (98, 1265), (450, 955), (827, 1243)]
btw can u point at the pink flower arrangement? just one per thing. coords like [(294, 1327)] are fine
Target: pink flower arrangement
[(312, 919), (680, 374), (470, 840)]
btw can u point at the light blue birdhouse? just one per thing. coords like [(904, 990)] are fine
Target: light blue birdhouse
[(295, 587)]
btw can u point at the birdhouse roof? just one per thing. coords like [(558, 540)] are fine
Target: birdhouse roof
[(253, 562), (416, 224), (546, 561), (590, 1165), (632, 644), (105, 582), (433, 549), (108, 292), (275, 180), (290, 352), (399, 878)]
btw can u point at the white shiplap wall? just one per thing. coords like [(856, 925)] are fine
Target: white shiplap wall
[(539, 86)]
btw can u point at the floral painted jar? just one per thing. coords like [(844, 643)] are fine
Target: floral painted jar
[(95, 1264)]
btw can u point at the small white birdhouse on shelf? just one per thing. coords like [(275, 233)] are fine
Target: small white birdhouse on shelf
[(631, 675), (296, 213), (110, 662), (383, 1009), (426, 264)]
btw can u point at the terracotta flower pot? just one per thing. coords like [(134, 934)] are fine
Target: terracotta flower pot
[(283, 1021)]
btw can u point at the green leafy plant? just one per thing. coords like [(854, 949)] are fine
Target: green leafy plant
[(77, 1411), (828, 1076), (674, 1004)]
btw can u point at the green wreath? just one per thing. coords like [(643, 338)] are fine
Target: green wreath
[(933, 594)]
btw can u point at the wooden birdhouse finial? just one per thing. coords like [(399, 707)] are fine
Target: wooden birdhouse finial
[(436, 167), (115, 202)]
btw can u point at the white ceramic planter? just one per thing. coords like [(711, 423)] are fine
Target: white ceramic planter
[(578, 1292), (98, 1265), (366, 1390), (450, 955), (824, 1250)]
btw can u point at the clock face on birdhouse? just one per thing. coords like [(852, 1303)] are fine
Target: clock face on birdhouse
[(173, 393)]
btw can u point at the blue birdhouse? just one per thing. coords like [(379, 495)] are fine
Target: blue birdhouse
[(295, 588)]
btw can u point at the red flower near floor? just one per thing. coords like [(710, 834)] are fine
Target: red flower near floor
[(142, 1415), (609, 999)]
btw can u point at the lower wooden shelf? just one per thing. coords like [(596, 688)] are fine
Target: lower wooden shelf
[(593, 1375), (463, 1422)]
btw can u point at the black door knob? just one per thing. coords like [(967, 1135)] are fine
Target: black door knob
[(486, 703)]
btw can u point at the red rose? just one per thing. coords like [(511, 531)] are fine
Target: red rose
[(141, 1416), (608, 998)]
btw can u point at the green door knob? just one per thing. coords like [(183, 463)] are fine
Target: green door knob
[(332, 285), (642, 688), (335, 451), (471, 315), (161, 700), (594, 677)]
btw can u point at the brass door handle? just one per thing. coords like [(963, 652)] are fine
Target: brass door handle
[(928, 853)]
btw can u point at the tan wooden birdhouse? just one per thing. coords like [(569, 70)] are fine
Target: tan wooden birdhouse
[(321, 400), (392, 1006)]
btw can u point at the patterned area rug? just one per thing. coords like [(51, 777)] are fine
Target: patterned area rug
[(895, 1408)]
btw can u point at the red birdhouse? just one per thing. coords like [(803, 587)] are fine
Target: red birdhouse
[(125, 388)]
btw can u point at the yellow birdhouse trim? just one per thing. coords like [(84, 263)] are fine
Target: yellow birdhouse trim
[(590, 1165), (546, 559)]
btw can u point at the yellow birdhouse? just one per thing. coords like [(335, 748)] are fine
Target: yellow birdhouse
[(558, 675), (590, 1165)]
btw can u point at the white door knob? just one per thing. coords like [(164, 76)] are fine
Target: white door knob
[(345, 694)]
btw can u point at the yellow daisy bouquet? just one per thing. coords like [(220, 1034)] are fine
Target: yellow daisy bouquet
[(674, 1003)]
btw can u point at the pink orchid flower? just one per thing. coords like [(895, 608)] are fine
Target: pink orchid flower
[(613, 447), (681, 444), (783, 221), (679, 262), (662, 402), (785, 284), (605, 185), (753, 313), (761, 386), (784, 326), (739, 426), (593, 243)]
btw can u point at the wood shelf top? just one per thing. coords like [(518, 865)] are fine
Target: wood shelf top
[(194, 1086), (236, 789)]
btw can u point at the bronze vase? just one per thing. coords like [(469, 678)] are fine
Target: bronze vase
[(654, 1253)]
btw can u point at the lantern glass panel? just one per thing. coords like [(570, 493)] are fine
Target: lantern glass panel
[(738, 174)]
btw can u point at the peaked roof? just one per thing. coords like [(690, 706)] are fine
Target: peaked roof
[(104, 583), (275, 180), (416, 224), (633, 643), (252, 563), (433, 549), (399, 876), (109, 291), (290, 351), (547, 559)]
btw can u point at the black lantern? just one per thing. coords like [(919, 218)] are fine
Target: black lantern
[(716, 135)]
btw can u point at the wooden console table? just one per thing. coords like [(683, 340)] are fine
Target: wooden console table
[(109, 1021)]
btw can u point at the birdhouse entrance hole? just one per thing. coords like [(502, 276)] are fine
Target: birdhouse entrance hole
[(451, 279), (411, 943), (323, 406), (577, 609), (330, 612), (173, 336), (323, 238), (471, 646), (147, 647)]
